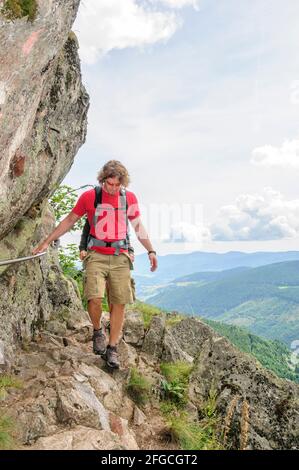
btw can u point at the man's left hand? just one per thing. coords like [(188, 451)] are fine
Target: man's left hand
[(154, 261)]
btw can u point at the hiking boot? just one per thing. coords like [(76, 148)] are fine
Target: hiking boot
[(99, 342), (112, 357)]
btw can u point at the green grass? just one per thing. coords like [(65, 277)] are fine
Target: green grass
[(139, 387), (147, 312), (7, 427), (175, 385), (172, 319), (176, 371), (190, 435), (194, 436), (15, 9), (8, 381), (209, 408)]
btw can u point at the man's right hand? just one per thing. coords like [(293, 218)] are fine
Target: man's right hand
[(40, 248), (83, 253)]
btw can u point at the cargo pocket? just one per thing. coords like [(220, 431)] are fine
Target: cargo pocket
[(84, 261), (130, 261)]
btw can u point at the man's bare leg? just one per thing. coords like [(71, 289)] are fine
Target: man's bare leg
[(117, 316), (95, 312)]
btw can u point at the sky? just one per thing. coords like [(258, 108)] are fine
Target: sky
[(199, 99)]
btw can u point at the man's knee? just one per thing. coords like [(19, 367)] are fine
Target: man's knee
[(95, 302)]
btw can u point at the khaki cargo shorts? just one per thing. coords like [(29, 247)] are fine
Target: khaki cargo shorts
[(100, 269)]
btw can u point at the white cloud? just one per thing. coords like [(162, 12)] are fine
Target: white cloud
[(286, 156), (103, 25), (184, 232), (268, 216), (178, 3)]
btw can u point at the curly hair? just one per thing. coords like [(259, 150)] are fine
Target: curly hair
[(112, 169)]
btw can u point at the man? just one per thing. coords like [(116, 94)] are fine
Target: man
[(83, 253), (107, 259)]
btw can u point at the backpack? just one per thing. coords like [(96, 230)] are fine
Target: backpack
[(92, 241)]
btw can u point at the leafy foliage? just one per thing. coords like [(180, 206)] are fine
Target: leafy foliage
[(174, 391), (62, 202), (174, 386), (68, 259)]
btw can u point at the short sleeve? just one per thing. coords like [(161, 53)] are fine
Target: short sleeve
[(133, 207), (80, 207)]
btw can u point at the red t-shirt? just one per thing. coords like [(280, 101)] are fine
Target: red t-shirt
[(111, 224)]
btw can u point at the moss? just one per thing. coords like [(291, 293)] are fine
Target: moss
[(15, 9)]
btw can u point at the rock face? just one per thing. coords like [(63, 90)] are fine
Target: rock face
[(70, 400), (43, 119), (43, 108), (258, 410)]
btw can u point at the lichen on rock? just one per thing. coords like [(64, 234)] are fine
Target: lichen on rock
[(43, 118)]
